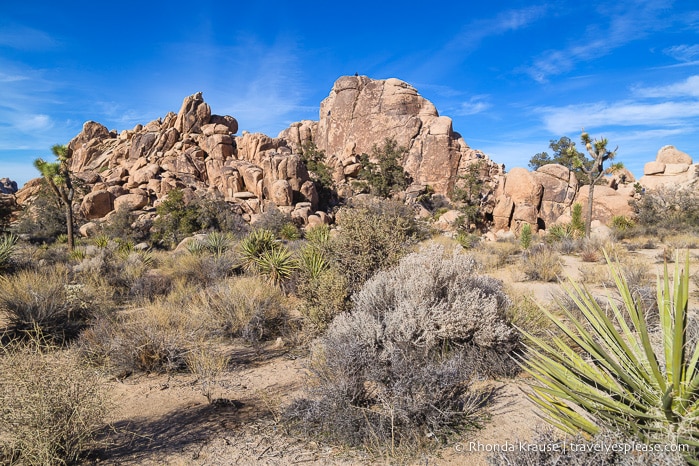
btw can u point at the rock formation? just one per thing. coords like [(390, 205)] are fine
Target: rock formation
[(361, 112), (671, 167)]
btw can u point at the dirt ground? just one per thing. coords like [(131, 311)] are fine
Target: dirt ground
[(166, 420)]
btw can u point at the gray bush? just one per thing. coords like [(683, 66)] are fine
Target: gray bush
[(395, 373)]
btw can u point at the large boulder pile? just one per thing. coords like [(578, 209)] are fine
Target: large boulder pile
[(192, 150), (361, 112), (671, 167), (200, 153)]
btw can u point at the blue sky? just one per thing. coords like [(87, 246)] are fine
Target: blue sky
[(512, 74)]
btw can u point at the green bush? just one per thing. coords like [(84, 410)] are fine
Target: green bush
[(525, 238), (386, 175), (619, 378), (372, 235), (668, 209), (43, 220)]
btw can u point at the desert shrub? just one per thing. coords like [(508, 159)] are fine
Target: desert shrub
[(244, 307), (590, 252), (320, 174), (541, 263), (44, 220), (218, 243), (604, 449), (218, 215), (52, 406), (208, 364), (383, 171), (525, 238), (46, 301), (467, 240), (494, 255), (621, 223), (620, 380), (176, 219), (7, 248), (400, 364), (201, 270), (670, 208), (272, 220), (324, 296), (153, 338), (372, 235), (123, 225)]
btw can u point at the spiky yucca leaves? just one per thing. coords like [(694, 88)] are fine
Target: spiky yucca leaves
[(7, 247), (617, 377), (254, 245), (277, 264), (218, 243)]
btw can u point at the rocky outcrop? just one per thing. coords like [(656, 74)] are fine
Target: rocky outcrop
[(7, 186), (671, 167), (545, 197), (361, 112)]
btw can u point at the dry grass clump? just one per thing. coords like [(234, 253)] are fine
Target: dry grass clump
[(52, 406), (394, 375), (153, 338), (244, 307), (47, 301), (208, 364), (493, 255), (541, 263)]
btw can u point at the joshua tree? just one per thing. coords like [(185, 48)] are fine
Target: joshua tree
[(598, 151), (57, 176)]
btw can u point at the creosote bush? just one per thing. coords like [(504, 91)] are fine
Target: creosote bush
[(372, 235), (52, 406), (394, 374)]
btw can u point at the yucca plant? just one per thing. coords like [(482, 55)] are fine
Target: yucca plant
[(276, 264), (254, 245), (610, 370), (318, 236), (289, 232), (101, 241), (313, 262), (7, 247), (218, 243)]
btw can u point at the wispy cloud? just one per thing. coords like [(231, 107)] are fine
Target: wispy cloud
[(21, 37), (687, 88), (629, 21), (506, 21), (476, 104), (683, 53), (562, 120)]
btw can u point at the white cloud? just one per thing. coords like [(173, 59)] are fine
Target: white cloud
[(687, 88), (473, 106), (683, 53), (26, 38), (562, 120), (629, 22)]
